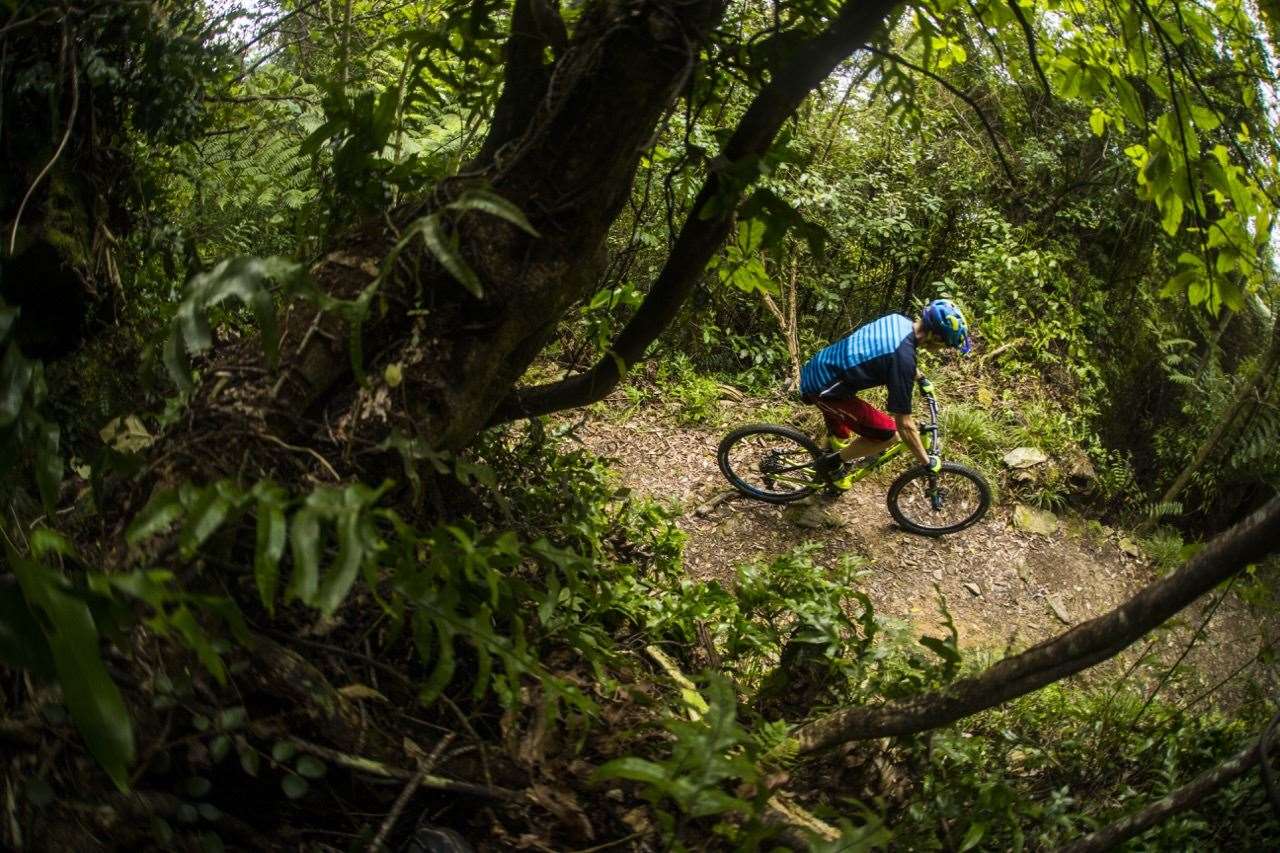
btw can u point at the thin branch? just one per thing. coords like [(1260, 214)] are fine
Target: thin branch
[(1031, 45), (1216, 687), (1195, 638), (1083, 646), (982, 117), (425, 766), (71, 122), (360, 764), (26, 22), (1179, 800), (995, 45)]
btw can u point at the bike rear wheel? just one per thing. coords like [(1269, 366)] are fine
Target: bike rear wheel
[(938, 504), (770, 462)]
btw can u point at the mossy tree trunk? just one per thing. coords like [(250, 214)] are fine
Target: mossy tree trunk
[(563, 147)]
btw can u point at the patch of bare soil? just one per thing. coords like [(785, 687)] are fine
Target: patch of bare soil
[(1005, 588)]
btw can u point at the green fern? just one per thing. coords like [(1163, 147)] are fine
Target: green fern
[(1260, 442)]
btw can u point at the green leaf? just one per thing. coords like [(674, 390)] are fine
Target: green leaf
[(441, 245), (244, 279), (294, 786), (442, 674), (1206, 119), (310, 767), (268, 550), (161, 831), (15, 376), (95, 703), (264, 311), (1231, 294), (161, 511), (48, 462), (204, 519), (1130, 103), (282, 751), (232, 718), (973, 836), (342, 574), (8, 314), (249, 759), (633, 768), (197, 787), (941, 648), (312, 143), (1098, 121), (304, 543), (176, 361), (1159, 168), (1171, 210), (709, 801), (493, 204), (750, 235), (22, 644), (198, 641)]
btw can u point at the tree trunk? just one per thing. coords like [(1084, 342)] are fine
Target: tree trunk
[(808, 65), (569, 168)]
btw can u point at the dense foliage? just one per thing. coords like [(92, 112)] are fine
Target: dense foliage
[(221, 591)]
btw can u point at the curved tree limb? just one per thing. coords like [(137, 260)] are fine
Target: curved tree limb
[(66, 136), (700, 237), (1031, 45), (1087, 644), (1179, 800), (973, 105)]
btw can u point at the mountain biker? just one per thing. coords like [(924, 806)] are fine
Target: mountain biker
[(882, 352)]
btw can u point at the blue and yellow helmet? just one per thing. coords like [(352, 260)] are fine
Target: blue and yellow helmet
[(944, 319)]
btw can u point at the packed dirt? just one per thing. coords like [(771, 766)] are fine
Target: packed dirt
[(1005, 588)]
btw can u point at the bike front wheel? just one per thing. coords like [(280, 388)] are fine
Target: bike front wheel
[(770, 462), (937, 504)]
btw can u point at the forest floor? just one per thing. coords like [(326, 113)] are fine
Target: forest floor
[(1005, 588)]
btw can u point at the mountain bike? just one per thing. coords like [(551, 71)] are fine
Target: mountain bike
[(780, 464)]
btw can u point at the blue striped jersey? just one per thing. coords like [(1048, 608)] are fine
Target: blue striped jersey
[(883, 352)]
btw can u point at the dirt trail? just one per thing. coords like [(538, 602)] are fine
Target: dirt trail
[(1001, 584)]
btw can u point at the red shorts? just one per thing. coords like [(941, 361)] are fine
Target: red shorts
[(853, 415)]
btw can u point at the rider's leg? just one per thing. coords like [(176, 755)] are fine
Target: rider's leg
[(839, 433), (876, 431), (864, 446)]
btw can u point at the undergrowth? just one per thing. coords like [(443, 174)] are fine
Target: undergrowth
[(552, 630)]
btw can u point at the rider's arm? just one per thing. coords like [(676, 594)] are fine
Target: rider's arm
[(910, 435)]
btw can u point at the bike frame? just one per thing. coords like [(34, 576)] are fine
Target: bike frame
[(933, 443)]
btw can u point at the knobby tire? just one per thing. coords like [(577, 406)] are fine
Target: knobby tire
[(950, 470), (738, 481)]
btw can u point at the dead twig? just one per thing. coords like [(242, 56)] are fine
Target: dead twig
[(998, 350), (424, 766), (368, 766), (713, 502), (297, 449)]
